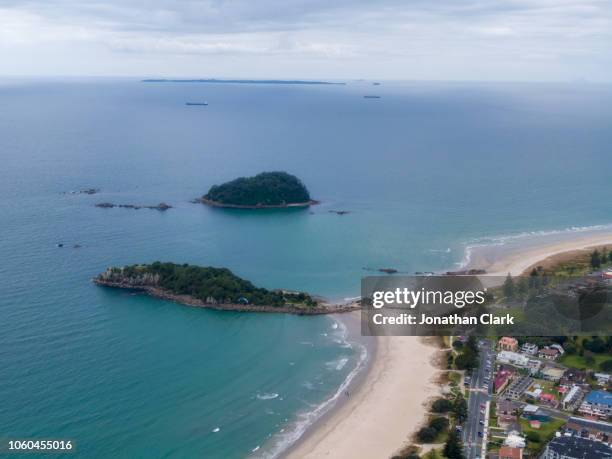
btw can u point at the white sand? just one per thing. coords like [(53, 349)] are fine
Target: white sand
[(389, 404), (518, 261), (387, 407)]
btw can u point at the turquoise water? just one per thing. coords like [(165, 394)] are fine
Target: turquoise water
[(426, 171)]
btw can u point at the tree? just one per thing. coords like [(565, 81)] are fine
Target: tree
[(509, 289), (427, 434), (533, 436), (460, 408), (522, 286), (534, 279), (441, 405), (439, 423), (595, 259), (606, 365), (453, 449)]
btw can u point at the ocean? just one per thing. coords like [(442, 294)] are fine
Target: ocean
[(427, 172)]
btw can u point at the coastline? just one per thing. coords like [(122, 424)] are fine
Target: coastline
[(521, 260), (294, 205), (388, 401), (187, 300), (385, 406)]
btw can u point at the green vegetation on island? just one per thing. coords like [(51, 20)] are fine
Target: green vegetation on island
[(268, 189), (206, 284)]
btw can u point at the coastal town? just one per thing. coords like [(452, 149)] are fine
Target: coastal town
[(547, 398)]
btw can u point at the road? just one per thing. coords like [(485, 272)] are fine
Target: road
[(480, 392)]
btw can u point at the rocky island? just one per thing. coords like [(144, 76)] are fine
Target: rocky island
[(263, 191), (215, 288)]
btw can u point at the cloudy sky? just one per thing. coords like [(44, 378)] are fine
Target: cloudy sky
[(536, 40)]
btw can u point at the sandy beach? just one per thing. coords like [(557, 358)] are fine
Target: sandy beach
[(379, 416), (390, 402), (520, 260)]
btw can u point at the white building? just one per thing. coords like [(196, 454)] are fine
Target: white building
[(513, 358), (529, 348), (572, 398)]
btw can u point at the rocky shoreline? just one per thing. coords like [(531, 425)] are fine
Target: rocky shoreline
[(188, 300), (211, 203)]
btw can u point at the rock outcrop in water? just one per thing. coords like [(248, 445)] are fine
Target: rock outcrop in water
[(109, 205), (207, 287)]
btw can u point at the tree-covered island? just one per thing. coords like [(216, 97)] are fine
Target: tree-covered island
[(264, 190), (216, 288)]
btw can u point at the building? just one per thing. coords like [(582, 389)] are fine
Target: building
[(573, 376), (572, 398), (507, 343), (548, 353), (558, 347), (569, 447), (534, 413), (552, 374), (507, 407), (502, 379), (518, 388), (603, 379), (513, 358), (597, 403), (534, 393), (515, 440), (529, 349), (589, 428), (534, 366), (508, 452)]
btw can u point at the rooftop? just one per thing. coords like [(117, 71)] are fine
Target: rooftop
[(599, 397), (580, 448)]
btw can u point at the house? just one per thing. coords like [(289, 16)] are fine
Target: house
[(548, 398), (507, 407), (534, 413), (514, 440), (603, 379), (573, 376), (597, 403), (518, 388), (508, 452), (558, 347), (589, 428), (507, 343), (569, 447), (572, 398), (534, 366), (552, 373), (534, 393), (502, 378), (548, 353), (529, 349), (513, 358)]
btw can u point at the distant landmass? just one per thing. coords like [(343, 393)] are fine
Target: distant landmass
[(265, 190), (216, 288), (213, 80)]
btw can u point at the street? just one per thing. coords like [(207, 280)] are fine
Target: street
[(480, 392)]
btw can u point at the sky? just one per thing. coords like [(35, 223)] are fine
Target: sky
[(484, 40)]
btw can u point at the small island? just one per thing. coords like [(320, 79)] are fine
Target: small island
[(208, 287), (263, 191), (162, 206)]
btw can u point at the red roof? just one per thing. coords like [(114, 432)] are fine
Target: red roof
[(507, 452)]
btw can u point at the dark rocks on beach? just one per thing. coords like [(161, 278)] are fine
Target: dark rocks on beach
[(162, 206), (388, 270)]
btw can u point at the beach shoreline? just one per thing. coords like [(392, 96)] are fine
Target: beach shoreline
[(521, 260), (388, 401), (386, 404)]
